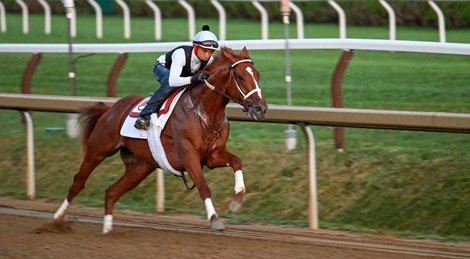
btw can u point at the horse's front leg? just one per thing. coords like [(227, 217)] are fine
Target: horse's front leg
[(223, 158)]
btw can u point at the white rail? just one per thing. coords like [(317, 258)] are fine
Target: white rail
[(356, 44)]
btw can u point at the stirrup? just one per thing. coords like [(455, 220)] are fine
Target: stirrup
[(142, 123)]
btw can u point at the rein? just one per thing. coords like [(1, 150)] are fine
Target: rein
[(215, 89)]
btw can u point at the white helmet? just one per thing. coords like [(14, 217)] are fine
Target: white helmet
[(206, 39)]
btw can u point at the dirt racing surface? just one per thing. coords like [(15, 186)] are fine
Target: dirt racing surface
[(27, 231)]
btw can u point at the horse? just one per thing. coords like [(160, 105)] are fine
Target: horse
[(194, 136)]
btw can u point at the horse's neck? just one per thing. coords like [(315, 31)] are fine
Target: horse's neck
[(208, 101)]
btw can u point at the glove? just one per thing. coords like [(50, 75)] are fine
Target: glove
[(199, 78)]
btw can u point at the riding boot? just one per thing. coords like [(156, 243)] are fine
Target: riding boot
[(144, 118), (152, 105)]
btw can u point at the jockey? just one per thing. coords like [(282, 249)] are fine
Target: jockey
[(179, 67)]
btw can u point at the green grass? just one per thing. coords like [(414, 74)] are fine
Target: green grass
[(408, 183)]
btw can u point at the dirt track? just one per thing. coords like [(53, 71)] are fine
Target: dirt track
[(26, 232)]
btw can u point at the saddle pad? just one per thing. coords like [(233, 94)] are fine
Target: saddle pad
[(152, 134)]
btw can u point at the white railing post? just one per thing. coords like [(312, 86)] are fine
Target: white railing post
[(341, 17), (264, 19), (222, 19), (391, 20), (73, 22), (312, 178), (191, 18), (25, 15), (3, 18), (99, 18), (299, 20), (157, 18), (30, 174), (47, 16), (441, 21), (160, 199), (127, 18)]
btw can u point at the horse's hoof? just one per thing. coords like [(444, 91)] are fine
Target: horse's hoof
[(236, 203), (216, 224), (59, 219)]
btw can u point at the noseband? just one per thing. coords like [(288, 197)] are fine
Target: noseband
[(232, 75)]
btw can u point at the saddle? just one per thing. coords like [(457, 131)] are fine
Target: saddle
[(165, 107)]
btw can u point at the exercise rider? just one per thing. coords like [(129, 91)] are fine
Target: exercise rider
[(179, 67)]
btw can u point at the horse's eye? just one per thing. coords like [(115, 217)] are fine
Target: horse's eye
[(240, 78)]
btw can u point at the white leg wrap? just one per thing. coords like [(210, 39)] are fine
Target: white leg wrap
[(239, 184), (62, 209), (107, 224), (209, 208)]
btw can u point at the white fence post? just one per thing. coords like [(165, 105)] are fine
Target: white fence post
[(341, 17), (30, 174), (441, 21), (222, 19), (391, 20), (299, 20), (264, 19), (191, 18), (3, 18), (99, 18), (160, 192), (25, 15), (158, 18), (47, 16), (312, 178), (127, 18)]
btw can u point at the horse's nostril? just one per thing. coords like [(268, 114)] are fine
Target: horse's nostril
[(258, 109)]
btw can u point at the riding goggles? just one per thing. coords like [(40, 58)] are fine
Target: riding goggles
[(209, 44)]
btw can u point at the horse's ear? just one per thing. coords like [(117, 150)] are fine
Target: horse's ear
[(228, 54), (245, 53)]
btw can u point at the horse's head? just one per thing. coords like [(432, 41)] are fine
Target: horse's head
[(243, 83)]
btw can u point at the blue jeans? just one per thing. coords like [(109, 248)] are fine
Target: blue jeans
[(162, 75)]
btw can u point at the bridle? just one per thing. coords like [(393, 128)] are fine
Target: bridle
[(232, 75)]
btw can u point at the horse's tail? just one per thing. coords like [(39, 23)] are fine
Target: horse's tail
[(89, 116)]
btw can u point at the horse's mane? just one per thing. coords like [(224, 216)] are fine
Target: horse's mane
[(219, 60)]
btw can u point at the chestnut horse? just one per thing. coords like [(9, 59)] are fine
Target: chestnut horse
[(194, 136)]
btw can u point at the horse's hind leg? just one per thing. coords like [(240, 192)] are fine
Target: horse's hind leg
[(134, 174), (89, 163)]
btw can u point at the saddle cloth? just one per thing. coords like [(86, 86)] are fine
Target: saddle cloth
[(128, 129), (152, 134)]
